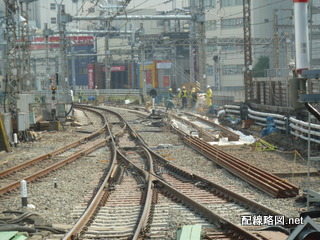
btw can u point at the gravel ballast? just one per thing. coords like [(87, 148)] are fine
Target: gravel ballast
[(76, 180)]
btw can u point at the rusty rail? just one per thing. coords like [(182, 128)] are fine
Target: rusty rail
[(58, 151), (263, 180), (233, 230), (224, 131)]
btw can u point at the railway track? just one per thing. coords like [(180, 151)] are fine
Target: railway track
[(152, 187), (263, 180), (40, 166)]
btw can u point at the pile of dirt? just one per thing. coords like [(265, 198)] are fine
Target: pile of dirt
[(288, 142)]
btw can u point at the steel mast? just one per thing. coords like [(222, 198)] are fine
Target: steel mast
[(247, 74), (13, 82)]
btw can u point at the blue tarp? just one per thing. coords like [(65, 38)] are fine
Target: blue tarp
[(271, 127)]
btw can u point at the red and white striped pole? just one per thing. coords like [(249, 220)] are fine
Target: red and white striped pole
[(301, 35)]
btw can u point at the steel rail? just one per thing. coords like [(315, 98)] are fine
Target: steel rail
[(56, 152), (204, 133), (102, 193), (180, 197), (240, 232), (91, 209), (285, 189), (225, 132), (149, 178), (229, 228), (214, 188), (55, 166), (263, 180)]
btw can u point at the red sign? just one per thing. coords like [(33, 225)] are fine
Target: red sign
[(149, 76), (166, 81), (39, 42), (90, 76), (115, 68)]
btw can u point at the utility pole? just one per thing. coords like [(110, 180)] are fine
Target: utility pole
[(201, 38), (133, 40), (25, 42), (107, 56), (247, 74), (11, 56), (276, 41), (192, 50), (288, 47), (63, 18), (47, 32)]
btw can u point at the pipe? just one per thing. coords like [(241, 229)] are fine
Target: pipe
[(304, 138), (232, 106), (305, 124), (267, 114), (304, 130)]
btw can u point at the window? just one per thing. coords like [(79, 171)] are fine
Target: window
[(53, 20), (209, 70), (209, 3), (211, 25), (160, 23), (232, 23), (231, 48), (210, 48), (232, 69), (52, 6), (230, 3)]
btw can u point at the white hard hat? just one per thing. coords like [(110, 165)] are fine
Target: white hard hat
[(208, 86), (178, 89)]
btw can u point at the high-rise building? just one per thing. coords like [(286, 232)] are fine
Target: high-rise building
[(271, 24)]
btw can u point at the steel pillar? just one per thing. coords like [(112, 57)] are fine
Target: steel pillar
[(247, 75), (24, 47), (13, 82)]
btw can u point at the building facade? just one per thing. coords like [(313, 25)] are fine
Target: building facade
[(224, 33)]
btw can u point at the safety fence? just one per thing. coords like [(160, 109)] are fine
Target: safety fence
[(284, 123)]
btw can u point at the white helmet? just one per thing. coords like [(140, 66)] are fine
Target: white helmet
[(178, 89), (208, 86)]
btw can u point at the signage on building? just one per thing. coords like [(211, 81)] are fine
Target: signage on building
[(115, 68), (166, 81), (90, 76), (39, 42), (164, 65)]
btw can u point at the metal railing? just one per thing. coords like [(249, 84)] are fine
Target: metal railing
[(288, 124)]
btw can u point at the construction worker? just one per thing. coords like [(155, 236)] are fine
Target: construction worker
[(54, 108), (170, 103), (184, 97), (80, 96), (209, 96), (194, 98)]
